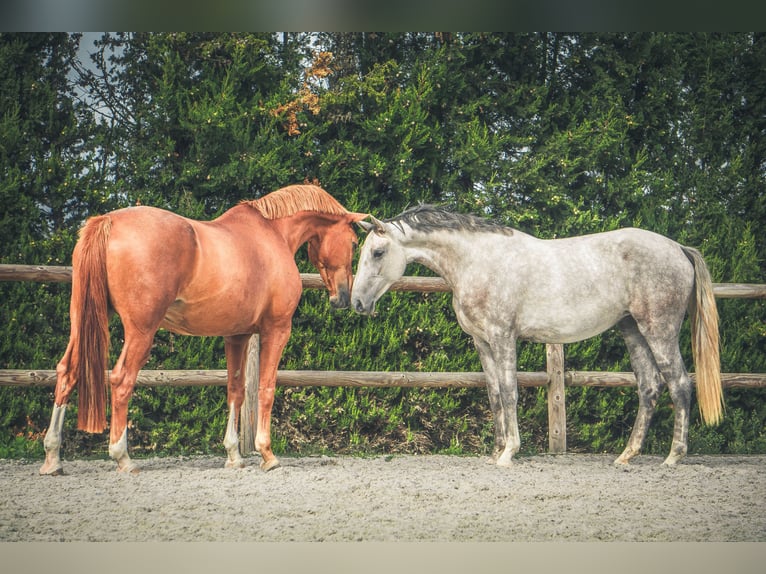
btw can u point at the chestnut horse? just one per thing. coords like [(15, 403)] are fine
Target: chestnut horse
[(231, 277)]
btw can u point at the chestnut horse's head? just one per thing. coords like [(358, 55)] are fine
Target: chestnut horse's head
[(325, 224), (331, 251)]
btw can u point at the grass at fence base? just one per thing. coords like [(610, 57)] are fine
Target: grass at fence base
[(362, 422)]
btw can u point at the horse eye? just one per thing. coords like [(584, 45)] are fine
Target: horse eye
[(378, 253)]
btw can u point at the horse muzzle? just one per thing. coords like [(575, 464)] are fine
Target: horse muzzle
[(360, 307), (341, 300)]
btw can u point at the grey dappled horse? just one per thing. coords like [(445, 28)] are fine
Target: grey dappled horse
[(507, 285)]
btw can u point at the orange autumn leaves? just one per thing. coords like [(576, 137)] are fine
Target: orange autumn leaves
[(306, 99)]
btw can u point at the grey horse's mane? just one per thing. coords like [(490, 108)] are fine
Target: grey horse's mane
[(428, 218)]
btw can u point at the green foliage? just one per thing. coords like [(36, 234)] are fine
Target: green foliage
[(557, 134)]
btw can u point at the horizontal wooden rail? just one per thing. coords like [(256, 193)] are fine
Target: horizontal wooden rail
[(610, 379), (371, 379), (38, 273), (41, 378), (63, 274)]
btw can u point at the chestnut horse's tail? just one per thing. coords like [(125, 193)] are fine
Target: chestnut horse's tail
[(90, 324), (703, 316)]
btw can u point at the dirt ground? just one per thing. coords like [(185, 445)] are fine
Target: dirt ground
[(389, 498)]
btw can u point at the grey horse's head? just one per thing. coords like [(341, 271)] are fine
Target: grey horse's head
[(382, 261)]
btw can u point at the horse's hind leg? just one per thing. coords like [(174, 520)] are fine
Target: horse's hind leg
[(53, 436), (122, 379), (236, 352), (680, 387), (667, 357), (650, 385)]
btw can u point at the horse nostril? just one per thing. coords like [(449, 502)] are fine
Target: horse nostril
[(358, 306), (341, 301)]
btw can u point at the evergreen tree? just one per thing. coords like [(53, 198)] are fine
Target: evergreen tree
[(189, 121), (46, 188), (557, 134)]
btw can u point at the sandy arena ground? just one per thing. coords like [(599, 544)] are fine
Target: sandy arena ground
[(572, 497)]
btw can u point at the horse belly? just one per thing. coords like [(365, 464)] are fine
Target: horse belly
[(207, 320), (232, 304), (176, 320), (566, 331), (569, 321)]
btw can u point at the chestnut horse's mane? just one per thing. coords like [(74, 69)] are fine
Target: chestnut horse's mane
[(293, 198)]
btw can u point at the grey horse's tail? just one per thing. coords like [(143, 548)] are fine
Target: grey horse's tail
[(703, 315)]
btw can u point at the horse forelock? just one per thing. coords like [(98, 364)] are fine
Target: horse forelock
[(289, 200), (427, 218)]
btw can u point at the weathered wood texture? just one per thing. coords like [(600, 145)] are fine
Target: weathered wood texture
[(63, 274), (557, 410), (249, 412), (201, 378)]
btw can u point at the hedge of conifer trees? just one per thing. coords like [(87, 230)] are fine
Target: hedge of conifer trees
[(555, 134)]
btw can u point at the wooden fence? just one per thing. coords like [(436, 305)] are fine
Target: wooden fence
[(556, 378)]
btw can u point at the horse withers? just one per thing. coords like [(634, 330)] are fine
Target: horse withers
[(231, 277), (507, 285)]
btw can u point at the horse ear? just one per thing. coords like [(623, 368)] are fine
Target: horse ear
[(376, 225), (366, 225), (379, 226), (357, 217)]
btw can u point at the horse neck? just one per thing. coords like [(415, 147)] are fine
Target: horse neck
[(443, 252), (298, 228)]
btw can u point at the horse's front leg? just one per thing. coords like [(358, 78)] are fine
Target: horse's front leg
[(499, 365), (495, 405), (505, 359), (236, 353), (273, 341)]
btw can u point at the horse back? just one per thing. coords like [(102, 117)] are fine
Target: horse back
[(565, 290), (195, 277)]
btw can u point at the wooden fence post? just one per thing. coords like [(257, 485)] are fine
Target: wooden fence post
[(248, 418), (557, 412)]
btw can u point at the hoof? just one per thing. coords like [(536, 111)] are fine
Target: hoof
[(505, 460), (625, 457), (131, 468), (235, 464), (53, 471), (495, 456), (266, 466)]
